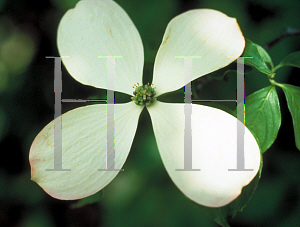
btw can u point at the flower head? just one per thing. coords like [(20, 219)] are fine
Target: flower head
[(102, 28), (144, 95)]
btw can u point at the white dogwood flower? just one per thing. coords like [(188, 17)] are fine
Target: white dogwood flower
[(102, 28)]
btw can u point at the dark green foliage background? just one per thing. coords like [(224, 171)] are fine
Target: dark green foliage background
[(142, 195)]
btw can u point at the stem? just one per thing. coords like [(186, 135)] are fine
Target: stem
[(273, 82), (277, 67), (287, 33)]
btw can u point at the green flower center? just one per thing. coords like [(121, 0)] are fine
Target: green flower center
[(144, 95)]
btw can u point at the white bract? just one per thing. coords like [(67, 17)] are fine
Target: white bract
[(102, 28)]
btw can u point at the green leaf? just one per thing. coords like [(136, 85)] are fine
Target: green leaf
[(257, 60), (292, 59), (264, 55), (263, 117), (221, 214), (292, 94), (88, 200)]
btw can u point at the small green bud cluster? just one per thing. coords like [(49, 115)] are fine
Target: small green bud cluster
[(144, 95)]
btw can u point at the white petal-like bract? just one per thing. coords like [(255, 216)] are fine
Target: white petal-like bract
[(205, 33), (84, 137), (101, 28), (214, 149)]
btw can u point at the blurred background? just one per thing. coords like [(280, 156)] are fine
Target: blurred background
[(142, 195)]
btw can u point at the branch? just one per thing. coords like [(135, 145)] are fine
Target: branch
[(287, 33)]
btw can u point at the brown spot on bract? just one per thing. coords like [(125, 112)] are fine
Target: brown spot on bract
[(110, 33), (167, 36), (46, 138), (165, 40), (49, 143)]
